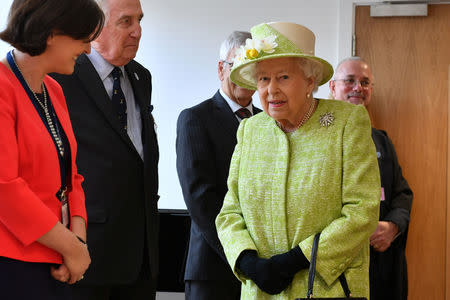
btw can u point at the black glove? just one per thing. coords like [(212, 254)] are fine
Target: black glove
[(291, 262), (264, 273)]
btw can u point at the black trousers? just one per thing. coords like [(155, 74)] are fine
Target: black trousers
[(21, 280), (143, 288), (212, 289), (139, 290)]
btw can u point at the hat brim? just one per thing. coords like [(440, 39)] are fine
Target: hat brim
[(243, 75)]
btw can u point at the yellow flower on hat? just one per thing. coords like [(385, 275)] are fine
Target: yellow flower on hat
[(251, 53), (254, 48)]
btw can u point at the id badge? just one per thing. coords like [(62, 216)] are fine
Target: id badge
[(64, 209)]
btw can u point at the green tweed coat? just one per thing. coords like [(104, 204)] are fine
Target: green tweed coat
[(285, 188)]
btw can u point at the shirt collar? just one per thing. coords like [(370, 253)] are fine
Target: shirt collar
[(233, 105), (103, 67)]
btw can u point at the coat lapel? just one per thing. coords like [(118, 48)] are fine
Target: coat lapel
[(96, 90), (225, 116), (140, 94)]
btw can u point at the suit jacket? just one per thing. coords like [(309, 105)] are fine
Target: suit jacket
[(388, 270), (206, 136), (121, 189), (30, 172)]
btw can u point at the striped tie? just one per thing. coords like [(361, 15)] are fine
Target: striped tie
[(118, 98), (243, 113)]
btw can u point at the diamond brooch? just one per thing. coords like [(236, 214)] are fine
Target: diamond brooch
[(326, 119)]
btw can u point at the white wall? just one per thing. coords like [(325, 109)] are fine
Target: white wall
[(180, 46)]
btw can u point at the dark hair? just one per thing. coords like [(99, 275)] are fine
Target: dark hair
[(32, 22)]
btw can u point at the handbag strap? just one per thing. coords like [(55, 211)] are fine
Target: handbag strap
[(312, 271), (312, 266), (344, 285)]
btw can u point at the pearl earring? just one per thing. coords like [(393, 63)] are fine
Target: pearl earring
[(308, 95)]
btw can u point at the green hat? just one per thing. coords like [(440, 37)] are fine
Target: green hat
[(275, 40)]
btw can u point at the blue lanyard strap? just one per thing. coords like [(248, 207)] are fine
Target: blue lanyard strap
[(31, 96)]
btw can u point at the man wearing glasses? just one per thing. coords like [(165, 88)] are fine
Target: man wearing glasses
[(353, 82), (206, 137)]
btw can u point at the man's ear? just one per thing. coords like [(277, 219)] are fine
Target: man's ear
[(220, 70), (332, 85)]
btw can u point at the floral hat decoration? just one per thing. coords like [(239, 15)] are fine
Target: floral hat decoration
[(275, 40)]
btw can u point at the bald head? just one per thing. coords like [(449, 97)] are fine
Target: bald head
[(352, 81)]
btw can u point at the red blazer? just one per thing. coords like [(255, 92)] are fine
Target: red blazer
[(29, 172)]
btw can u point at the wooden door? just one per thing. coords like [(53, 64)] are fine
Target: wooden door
[(410, 59)]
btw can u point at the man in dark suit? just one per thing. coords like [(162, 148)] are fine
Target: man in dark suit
[(109, 102), (206, 137), (353, 83)]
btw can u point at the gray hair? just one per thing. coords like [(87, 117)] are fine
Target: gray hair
[(234, 40), (351, 58), (103, 4), (312, 69)]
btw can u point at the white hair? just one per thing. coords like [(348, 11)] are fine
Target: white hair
[(351, 58), (103, 4), (311, 69), (234, 40)]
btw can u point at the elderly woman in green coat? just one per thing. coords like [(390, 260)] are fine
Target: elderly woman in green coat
[(304, 166)]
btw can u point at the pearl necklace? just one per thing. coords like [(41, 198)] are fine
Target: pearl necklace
[(55, 132), (305, 118)]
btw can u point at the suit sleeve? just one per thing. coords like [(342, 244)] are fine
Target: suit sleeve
[(402, 195), (21, 210), (345, 237), (197, 175), (230, 222)]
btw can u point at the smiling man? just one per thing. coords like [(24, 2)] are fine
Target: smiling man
[(353, 82), (109, 102)]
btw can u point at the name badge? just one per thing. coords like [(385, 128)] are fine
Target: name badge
[(64, 208), (382, 194)]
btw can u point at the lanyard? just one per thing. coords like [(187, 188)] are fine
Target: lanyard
[(32, 97)]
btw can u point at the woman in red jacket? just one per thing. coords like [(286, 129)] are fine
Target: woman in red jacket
[(42, 212)]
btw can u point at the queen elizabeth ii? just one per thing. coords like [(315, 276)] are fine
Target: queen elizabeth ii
[(304, 166)]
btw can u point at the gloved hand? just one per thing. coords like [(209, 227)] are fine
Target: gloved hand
[(265, 273), (290, 262)]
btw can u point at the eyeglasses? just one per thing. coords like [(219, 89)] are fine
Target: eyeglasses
[(228, 63), (352, 82)]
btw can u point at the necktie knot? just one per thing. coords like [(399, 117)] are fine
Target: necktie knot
[(243, 113)]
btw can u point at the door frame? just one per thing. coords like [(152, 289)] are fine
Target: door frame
[(346, 24), (346, 32)]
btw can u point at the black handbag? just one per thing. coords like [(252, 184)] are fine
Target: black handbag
[(312, 274)]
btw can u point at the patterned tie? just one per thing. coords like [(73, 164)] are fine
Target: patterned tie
[(118, 98), (243, 113)]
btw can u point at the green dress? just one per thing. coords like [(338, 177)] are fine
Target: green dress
[(285, 188)]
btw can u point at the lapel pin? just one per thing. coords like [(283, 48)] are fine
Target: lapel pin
[(136, 75)]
